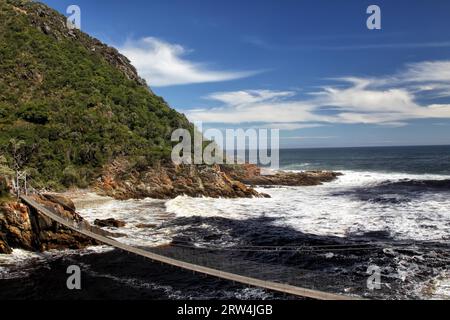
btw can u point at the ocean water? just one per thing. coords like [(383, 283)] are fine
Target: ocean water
[(390, 209), (414, 160)]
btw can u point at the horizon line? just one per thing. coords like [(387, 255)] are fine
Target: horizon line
[(355, 147)]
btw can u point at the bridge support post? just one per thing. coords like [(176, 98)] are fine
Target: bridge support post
[(21, 176), (17, 184)]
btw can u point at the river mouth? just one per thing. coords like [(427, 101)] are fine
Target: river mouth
[(326, 238)]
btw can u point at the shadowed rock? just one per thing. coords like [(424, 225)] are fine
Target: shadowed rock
[(111, 223), (25, 228)]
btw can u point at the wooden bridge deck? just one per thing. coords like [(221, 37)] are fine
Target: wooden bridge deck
[(274, 286)]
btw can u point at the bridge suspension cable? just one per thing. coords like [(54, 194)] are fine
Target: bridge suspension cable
[(270, 285)]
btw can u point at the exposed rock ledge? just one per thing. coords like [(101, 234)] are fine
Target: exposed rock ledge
[(251, 175), (25, 228), (166, 181), (22, 227)]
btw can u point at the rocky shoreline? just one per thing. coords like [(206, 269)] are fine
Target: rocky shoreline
[(252, 176), (167, 181), (25, 228)]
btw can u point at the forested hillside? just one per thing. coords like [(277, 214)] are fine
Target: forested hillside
[(69, 104)]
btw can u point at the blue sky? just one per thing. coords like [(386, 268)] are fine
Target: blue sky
[(310, 68)]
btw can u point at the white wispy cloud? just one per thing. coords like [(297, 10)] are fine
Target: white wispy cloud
[(244, 98), (389, 101), (162, 63), (428, 71)]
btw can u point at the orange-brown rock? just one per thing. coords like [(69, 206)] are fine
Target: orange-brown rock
[(241, 171), (25, 228), (251, 175), (111, 222), (165, 181), (4, 246), (295, 179)]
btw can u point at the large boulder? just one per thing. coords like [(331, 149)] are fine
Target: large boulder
[(111, 223)]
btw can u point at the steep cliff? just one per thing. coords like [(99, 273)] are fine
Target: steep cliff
[(25, 228)]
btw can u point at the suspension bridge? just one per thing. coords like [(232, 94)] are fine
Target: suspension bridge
[(249, 281)]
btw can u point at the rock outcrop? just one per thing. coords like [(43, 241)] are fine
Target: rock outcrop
[(293, 179), (251, 175), (23, 227), (165, 181)]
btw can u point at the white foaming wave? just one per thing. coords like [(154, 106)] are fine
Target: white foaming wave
[(326, 210), (318, 210), (364, 178), (147, 212), (248, 294), (19, 264), (133, 212)]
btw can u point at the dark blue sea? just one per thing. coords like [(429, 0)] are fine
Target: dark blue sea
[(416, 159)]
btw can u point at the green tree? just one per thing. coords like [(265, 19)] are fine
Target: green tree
[(71, 105), (5, 170)]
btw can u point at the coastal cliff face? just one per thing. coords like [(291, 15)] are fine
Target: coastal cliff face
[(168, 180), (22, 227)]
